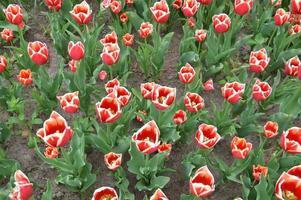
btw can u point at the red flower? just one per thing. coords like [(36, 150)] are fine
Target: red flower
[(242, 7), (54, 4), (147, 90), (163, 97), (177, 4), (110, 85), (81, 13), (7, 35), (14, 14), (190, 7), (261, 90), (102, 75), (109, 39), (281, 17), (38, 52), (23, 189), (294, 29), (76, 50), (206, 136), (51, 152), (180, 117), (202, 183), (294, 18), (258, 170), (113, 160), (221, 23), (138, 118), (25, 77), (73, 64), (128, 39), (158, 195), (240, 148), (69, 102), (105, 3), (291, 66), (55, 131), (115, 6), (205, 2), (208, 85), (259, 60), (296, 6), (122, 94), (186, 74), (108, 109), (233, 92), (145, 30), (110, 54), (165, 148), (270, 129), (147, 138), (288, 186), (160, 11), (193, 102), (104, 193), (3, 64), (191, 22), (290, 140), (123, 17), (200, 35)]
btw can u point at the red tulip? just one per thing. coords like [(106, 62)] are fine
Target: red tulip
[(104, 193), (145, 30), (105, 4), (233, 92), (202, 183), (259, 60), (147, 138), (193, 102), (163, 97), (14, 14), (242, 7), (81, 13), (123, 17), (200, 35), (180, 117), (258, 170), (296, 6), (190, 7), (3, 64), (290, 140), (7, 35), (221, 23), (177, 4), (261, 90), (69, 102), (186, 74), (270, 129), (281, 17), (288, 186), (55, 131), (294, 18), (25, 77), (108, 109), (165, 147), (73, 64), (208, 85), (147, 90), (115, 6), (113, 160), (110, 54), (205, 2), (138, 118), (291, 66), (158, 195), (110, 85), (206, 136), (160, 11), (76, 50), (276, 3), (38, 52), (54, 4), (51, 152), (109, 39), (23, 189), (240, 148), (294, 29), (102, 75), (191, 22), (122, 95), (128, 39)]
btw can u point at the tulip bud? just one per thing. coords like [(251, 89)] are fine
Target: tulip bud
[(190, 7), (200, 35), (242, 7), (38, 52), (221, 23), (202, 183), (258, 171), (145, 30), (25, 77), (259, 60), (115, 6), (160, 11), (7, 35), (281, 17), (102, 75), (128, 39), (240, 148), (51, 152), (81, 13), (76, 50)]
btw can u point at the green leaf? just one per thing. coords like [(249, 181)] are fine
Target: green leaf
[(136, 161), (47, 195), (262, 189)]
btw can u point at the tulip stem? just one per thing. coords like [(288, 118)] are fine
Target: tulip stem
[(111, 72), (272, 36)]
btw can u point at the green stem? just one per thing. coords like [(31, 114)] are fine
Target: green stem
[(272, 36)]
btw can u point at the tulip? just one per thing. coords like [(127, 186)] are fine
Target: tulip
[(76, 50), (296, 6), (294, 18), (200, 35), (3, 64), (14, 15), (191, 22), (233, 92), (110, 54), (165, 148), (113, 160), (51, 152), (122, 95), (288, 186), (290, 140), (38, 52), (291, 66), (54, 4), (294, 29), (242, 7), (163, 97), (104, 193), (206, 136), (281, 17), (73, 64), (177, 4), (276, 2), (69, 102), (145, 30), (261, 90), (258, 171), (190, 7), (259, 60), (7, 35), (55, 131), (110, 85), (115, 6), (138, 118), (128, 39), (123, 17), (147, 138), (23, 189), (180, 117), (160, 11), (102, 75), (147, 90), (186, 74), (240, 148), (205, 2), (193, 102), (270, 129), (81, 13), (208, 85), (221, 23), (108, 109), (109, 39), (202, 183), (105, 4), (25, 77), (158, 195)]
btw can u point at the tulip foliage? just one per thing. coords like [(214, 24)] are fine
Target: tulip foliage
[(177, 98)]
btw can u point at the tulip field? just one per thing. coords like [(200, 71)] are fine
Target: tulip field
[(150, 99)]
